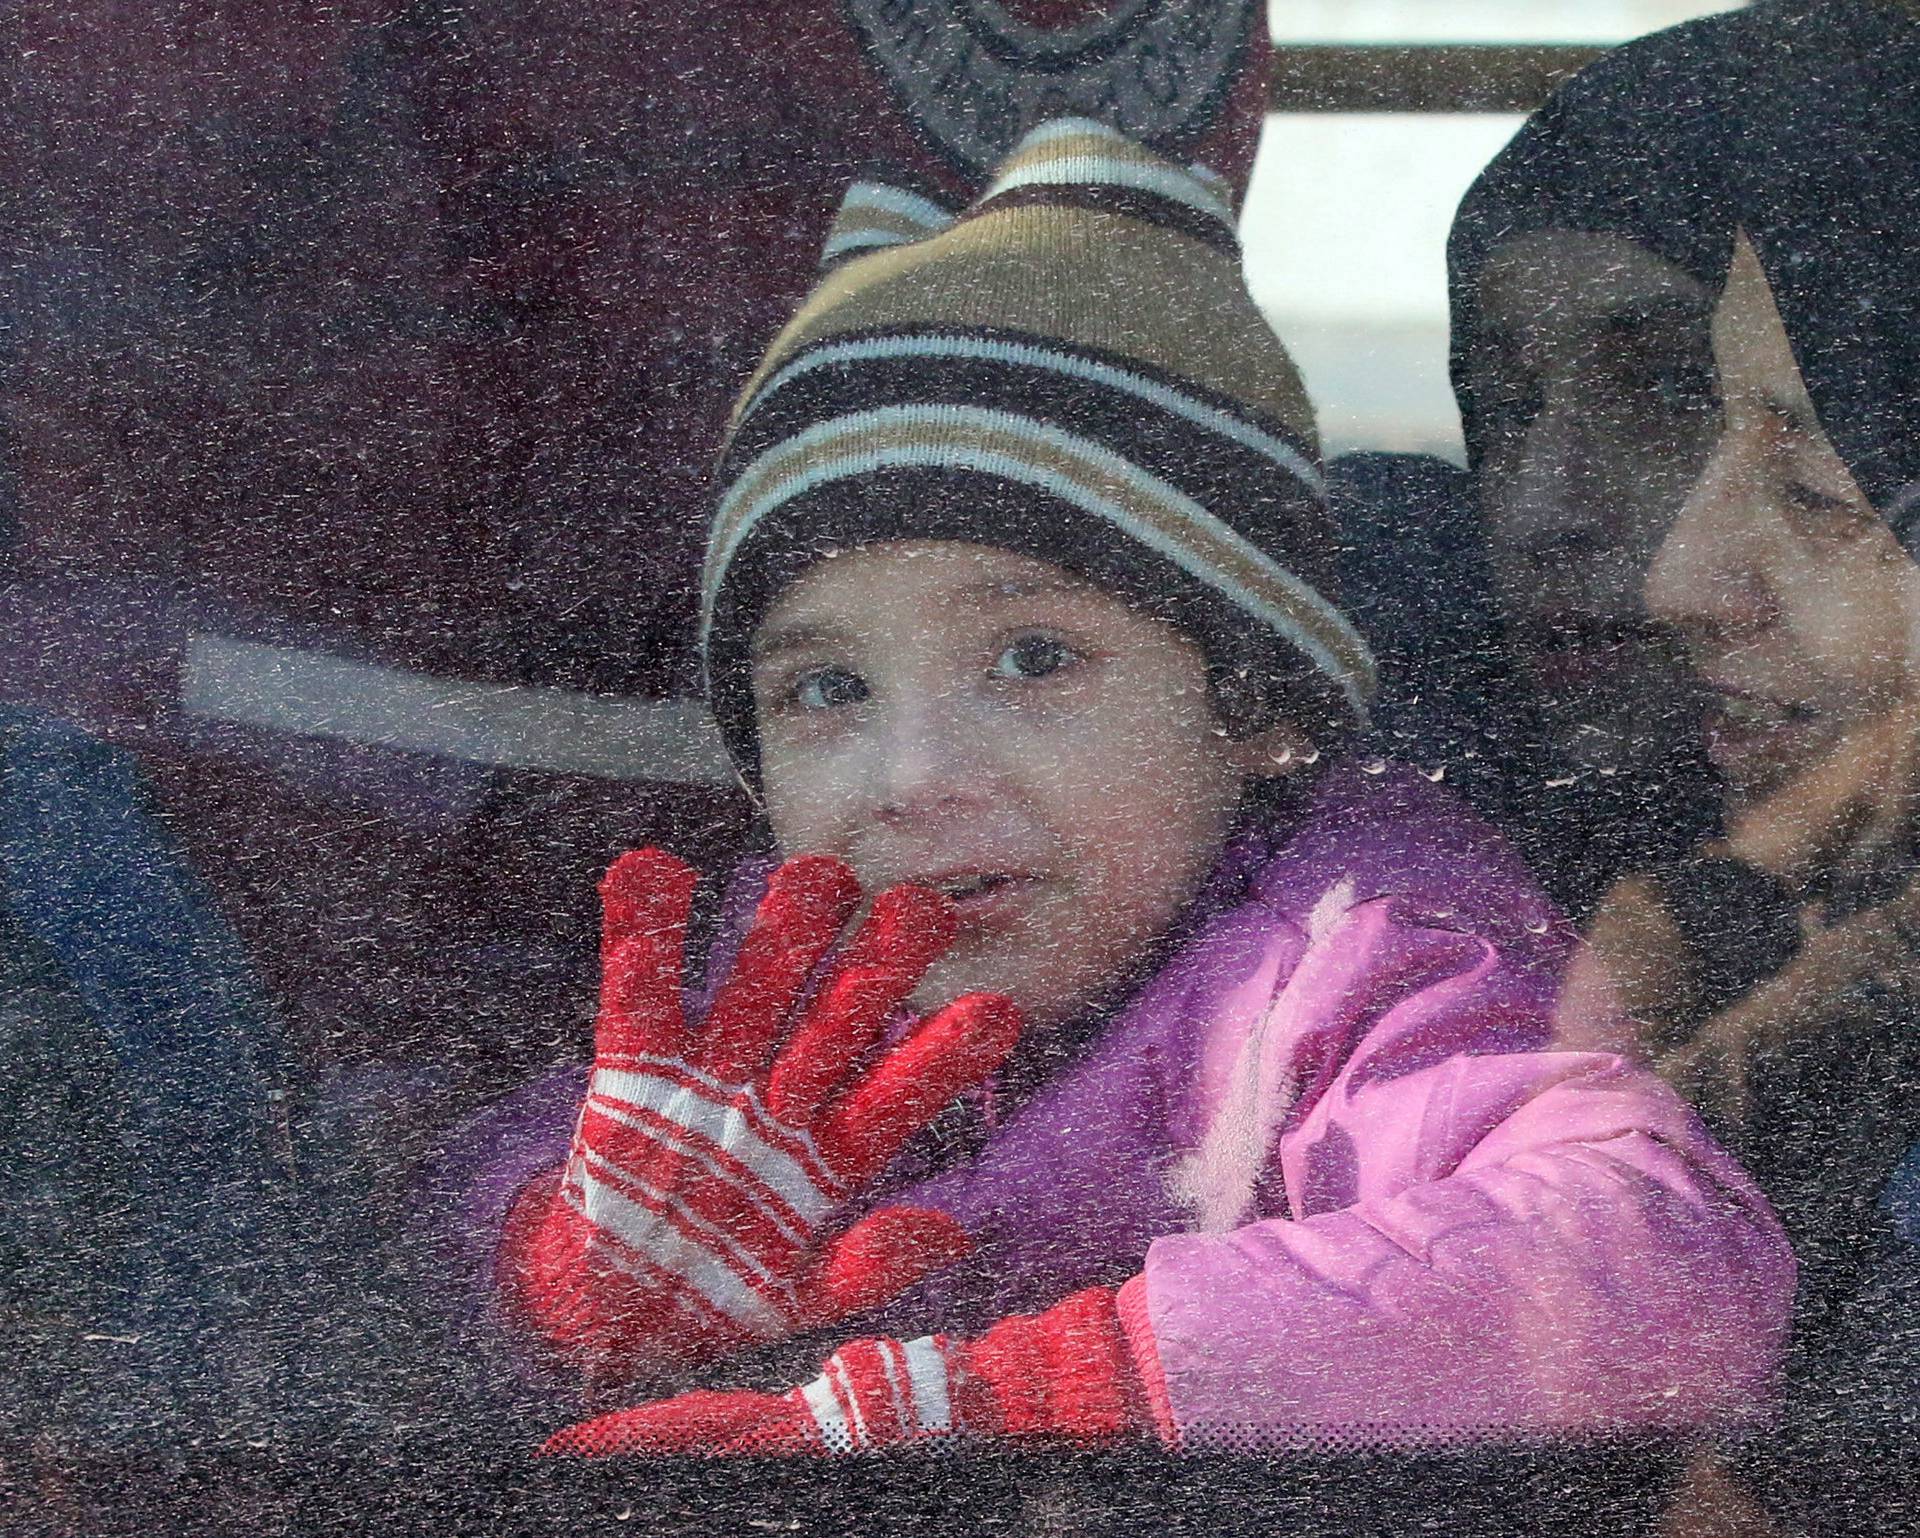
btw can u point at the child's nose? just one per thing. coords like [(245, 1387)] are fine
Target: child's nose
[(925, 759)]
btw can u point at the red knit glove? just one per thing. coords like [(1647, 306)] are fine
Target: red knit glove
[(1067, 1374), (689, 1218)]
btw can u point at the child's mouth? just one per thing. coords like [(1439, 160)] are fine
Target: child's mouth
[(972, 887)]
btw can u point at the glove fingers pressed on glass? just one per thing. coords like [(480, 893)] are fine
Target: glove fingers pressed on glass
[(1072, 1374), (695, 1212)]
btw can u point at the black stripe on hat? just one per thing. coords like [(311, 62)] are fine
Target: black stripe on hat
[(1027, 370), (969, 506)]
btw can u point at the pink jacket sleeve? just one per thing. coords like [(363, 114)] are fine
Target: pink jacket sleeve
[(1413, 1228)]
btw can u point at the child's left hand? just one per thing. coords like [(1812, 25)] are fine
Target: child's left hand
[(699, 1210), (1066, 1374)]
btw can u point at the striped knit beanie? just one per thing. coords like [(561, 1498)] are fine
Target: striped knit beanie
[(1071, 369)]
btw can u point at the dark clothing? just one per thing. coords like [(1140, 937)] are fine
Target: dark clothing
[(142, 1166), (1451, 704), (1799, 124), (1636, 145), (1843, 1457), (1827, 186)]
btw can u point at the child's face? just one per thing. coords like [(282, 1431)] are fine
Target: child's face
[(986, 724)]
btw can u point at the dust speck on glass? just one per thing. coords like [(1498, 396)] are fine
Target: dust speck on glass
[(960, 765)]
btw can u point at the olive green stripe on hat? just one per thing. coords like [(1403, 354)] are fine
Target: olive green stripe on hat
[(1100, 281), (1075, 470)]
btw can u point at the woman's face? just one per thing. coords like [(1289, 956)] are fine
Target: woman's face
[(1798, 606)]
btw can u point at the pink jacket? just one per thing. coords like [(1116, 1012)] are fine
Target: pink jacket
[(1365, 1203)]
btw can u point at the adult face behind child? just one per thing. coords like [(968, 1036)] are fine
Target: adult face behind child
[(1791, 571), (1582, 267), (1800, 610), (966, 718), (1597, 406)]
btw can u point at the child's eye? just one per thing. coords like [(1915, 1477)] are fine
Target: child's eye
[(826, 688), (1034, 656)]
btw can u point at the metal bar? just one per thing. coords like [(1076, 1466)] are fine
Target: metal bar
[(1463, 77)]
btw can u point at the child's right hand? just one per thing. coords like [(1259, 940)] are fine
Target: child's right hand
[(692, 1217)]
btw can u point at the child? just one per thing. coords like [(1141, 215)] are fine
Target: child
[(1017, 608)]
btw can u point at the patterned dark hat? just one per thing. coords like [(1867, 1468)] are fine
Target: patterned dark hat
[(1071, 369)]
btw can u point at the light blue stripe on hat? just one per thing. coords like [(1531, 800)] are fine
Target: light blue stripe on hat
[(852, 231), (1079, 169)]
